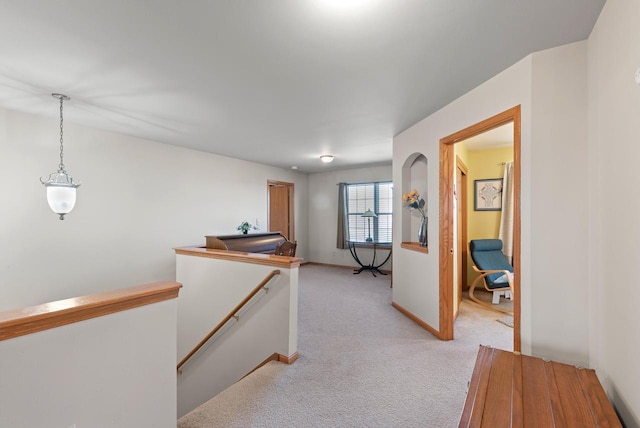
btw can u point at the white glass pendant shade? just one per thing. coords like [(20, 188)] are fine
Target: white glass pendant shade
[(61, 199), (61, 193)]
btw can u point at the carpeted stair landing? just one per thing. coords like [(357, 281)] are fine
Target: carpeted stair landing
[(361, 364)]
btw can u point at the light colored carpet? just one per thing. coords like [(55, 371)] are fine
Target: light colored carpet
[(362, 364)]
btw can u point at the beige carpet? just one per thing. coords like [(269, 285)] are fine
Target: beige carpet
[(362, 364)]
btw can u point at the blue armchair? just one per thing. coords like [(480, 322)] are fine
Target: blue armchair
[(495, 271)]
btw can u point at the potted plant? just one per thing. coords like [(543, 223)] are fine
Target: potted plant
[(245, 227)]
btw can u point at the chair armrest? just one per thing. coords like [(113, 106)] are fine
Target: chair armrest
[(484, 273)]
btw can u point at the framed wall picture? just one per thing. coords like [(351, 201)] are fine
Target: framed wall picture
[(488, 194)]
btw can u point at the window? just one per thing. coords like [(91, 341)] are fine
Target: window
[(378, 198)]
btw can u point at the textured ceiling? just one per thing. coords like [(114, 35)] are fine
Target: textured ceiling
[(278, 82)]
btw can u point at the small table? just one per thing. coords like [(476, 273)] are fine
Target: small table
[(372, 266), (509, 389)]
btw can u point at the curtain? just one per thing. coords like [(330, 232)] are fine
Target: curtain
[(506, 219), (341, 241)]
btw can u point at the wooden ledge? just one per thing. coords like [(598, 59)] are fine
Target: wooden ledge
[(414, 246), (238, 256), (19, 322), (513, 390)]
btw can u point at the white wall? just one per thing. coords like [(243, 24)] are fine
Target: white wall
[(551, 88), (323, 213), (614, 135), (416, 275), (559, 205), (138, 200), (117, 370), (211, 289)]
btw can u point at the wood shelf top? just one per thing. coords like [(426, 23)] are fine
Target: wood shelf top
[(508, 389), (414, 246), (238, 256), (19, 322)]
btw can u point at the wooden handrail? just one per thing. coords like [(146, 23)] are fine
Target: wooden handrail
[(228, 317), (20, 322), (242, 257)]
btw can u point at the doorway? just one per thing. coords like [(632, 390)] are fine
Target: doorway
[(281, 208), (448, 295), (460, 198)]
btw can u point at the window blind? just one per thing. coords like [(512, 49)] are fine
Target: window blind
[(378, 197)]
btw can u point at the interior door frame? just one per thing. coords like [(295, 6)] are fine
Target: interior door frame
[(271, 183), (447, 174), (462, 201)]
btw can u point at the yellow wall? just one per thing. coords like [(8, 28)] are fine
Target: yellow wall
[(461, 152), (483, 164)]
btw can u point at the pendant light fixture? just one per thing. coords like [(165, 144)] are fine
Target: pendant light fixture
[(61, 189)]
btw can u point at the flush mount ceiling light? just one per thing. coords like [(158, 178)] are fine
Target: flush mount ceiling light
[(61, 189), (327, 158)]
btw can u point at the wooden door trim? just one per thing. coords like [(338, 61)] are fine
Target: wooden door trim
[(463, 201), (291, 205), (446, 318), (462, 166)]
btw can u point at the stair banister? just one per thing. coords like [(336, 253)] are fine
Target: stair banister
[(230, 315)]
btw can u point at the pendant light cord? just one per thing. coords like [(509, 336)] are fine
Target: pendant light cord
[(61, 166)]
